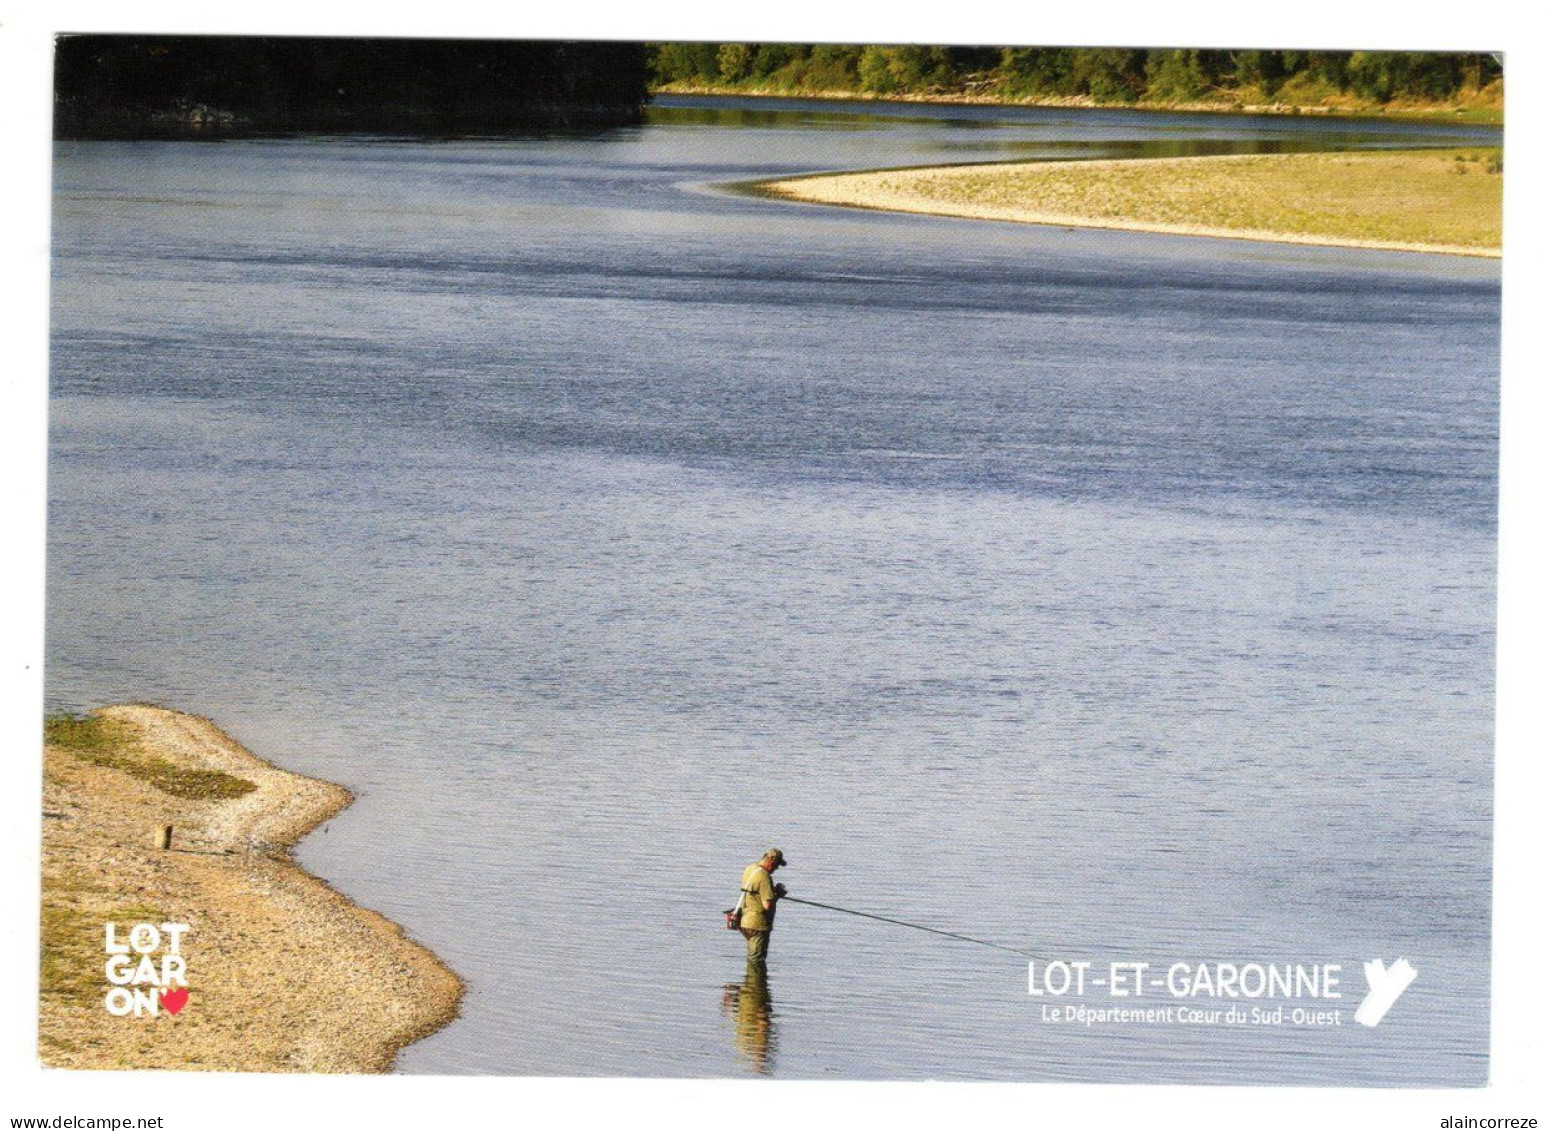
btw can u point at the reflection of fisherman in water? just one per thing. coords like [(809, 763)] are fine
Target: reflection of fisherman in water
[(749, 1005)]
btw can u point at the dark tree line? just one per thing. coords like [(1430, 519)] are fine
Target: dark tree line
[(111, 84), (1115, 75), (129, 85)]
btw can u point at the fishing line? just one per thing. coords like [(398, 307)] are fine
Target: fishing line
[(912, 926)]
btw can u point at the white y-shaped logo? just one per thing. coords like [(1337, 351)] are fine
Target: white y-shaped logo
[(1387, 985)]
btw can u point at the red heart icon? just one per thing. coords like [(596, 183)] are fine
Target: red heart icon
[(174, 1000)]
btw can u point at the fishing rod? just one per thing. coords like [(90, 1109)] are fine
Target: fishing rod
[(901, 923)]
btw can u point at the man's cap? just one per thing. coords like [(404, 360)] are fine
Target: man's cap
[(775, 854)]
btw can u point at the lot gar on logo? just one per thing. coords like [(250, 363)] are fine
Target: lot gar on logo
[(146, 968)]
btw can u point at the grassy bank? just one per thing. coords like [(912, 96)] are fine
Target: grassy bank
[(283, 972), (1432, 200), (1484, 108)]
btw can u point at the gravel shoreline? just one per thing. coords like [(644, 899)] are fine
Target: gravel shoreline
[(284, 973)]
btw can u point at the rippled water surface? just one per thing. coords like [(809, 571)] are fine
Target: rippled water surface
[(1109, 596)]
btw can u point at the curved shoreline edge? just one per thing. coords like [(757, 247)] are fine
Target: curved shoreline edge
[(899, 190), (285, 973)]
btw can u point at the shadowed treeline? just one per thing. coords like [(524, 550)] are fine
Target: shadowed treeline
[(134, 85)]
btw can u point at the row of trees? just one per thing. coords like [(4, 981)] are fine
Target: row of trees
[(134, 83), (1113, 75), (137, 84)]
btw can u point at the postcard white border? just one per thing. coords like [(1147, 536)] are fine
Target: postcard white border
[(194, 1100)]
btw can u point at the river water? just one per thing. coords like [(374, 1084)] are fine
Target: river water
[(1108, 596)]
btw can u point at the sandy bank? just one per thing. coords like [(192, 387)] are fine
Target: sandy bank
[(283, 972), (1438, 201)]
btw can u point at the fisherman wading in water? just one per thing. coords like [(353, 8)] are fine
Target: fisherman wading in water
[(759, 895)]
